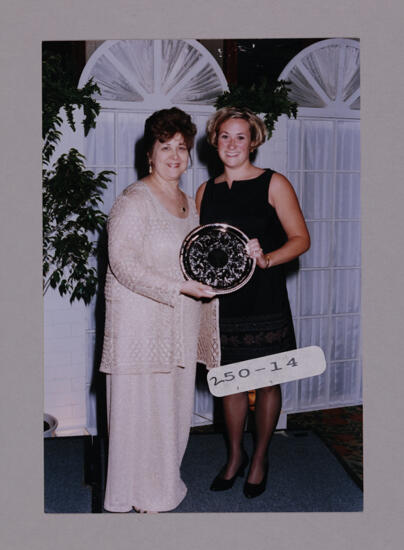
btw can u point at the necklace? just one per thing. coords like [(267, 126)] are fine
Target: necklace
[(160, 189)]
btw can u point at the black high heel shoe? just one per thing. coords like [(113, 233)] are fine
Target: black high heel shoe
[(252, 490), (221, 484)]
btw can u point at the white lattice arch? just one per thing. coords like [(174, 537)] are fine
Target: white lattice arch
[(150, 74), (325, 79)]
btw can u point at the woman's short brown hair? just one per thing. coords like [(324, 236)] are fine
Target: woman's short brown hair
[(258, 129), (164, 124)]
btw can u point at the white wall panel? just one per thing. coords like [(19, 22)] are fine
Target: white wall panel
[(294, 178), (100, 144), (319, 254), (317, 136), (347, 196), (272, 153), (313, 392), (129, 130), (294, 145), (126, 176), (343, 382), (347, 291), (345, 337), (347, 246), (348, 145), (315, 292), (317, 196), (314, 332), (64, 360), (290, 392)]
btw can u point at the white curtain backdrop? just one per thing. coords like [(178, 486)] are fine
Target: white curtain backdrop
[(325, 294)]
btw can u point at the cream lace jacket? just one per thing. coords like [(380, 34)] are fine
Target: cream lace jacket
[(149, 325)]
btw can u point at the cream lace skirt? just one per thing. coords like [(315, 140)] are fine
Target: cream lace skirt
[(149, 418)]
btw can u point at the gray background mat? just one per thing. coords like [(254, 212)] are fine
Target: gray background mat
[(24, 24)]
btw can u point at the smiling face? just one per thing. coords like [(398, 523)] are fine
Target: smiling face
[(234, 142), (169, 159)]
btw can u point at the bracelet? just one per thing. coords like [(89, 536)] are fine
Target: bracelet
[(269, 261)]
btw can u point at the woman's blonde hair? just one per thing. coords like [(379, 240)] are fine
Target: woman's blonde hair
[(258, 129)]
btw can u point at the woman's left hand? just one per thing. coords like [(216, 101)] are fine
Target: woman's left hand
[(255, 251)]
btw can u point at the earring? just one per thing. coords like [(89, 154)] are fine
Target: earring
[(150, 168)]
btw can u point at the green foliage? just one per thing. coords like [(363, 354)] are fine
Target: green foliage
[(268, 99), (58, 90), (71, 197)]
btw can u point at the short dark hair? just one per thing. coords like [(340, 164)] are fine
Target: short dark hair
[(164, 124)]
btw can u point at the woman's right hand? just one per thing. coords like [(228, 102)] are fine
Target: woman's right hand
[(197, 289)]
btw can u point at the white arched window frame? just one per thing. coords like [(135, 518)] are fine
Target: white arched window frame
[(323, 164)]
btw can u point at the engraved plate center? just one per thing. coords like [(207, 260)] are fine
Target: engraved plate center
[(217, 257)]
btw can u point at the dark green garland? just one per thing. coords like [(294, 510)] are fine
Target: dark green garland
[(268, 99)]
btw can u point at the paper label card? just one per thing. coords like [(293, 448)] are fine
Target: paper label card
[(266, 371)]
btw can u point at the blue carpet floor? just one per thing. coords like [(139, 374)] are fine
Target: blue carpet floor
[(304, 476), (65, 487)]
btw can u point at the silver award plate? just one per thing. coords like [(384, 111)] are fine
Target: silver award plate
[(215, 254)]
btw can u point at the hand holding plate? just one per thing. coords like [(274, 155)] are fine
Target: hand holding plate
[(197, 289), (216, 255), (255, 251)]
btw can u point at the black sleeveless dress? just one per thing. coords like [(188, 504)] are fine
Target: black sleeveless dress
[(255, 320)]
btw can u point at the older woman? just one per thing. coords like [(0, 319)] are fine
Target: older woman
[(152, 326), (254, 321)]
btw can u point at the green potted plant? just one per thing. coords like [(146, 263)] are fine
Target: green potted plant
[(71, 196)]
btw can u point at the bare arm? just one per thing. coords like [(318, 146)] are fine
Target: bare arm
[(199, 196), (282, 197)]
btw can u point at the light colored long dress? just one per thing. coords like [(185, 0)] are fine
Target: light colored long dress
[(149, 355)]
